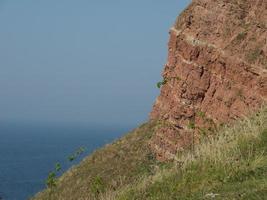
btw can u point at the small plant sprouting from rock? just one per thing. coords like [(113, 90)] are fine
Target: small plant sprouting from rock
[(161, 83), (165, 80)]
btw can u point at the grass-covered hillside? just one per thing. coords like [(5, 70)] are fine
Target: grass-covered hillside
[(230, 165), (107, 169)]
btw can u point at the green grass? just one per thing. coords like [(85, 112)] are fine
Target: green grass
[(107, 169), (231, 165)]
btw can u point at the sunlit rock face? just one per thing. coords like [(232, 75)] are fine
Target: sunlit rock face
[(216, 71)]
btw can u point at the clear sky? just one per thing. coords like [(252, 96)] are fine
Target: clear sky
[(82, 61)]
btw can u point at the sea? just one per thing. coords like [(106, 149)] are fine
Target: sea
[(28, 152)]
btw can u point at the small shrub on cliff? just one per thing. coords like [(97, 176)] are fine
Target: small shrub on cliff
[(165, 80), (58, 167), (52, 177), (77, 153), (80, 151), (51, 180), (161, 83)]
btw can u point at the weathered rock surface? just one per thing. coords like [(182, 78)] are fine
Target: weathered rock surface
[(216, 71)]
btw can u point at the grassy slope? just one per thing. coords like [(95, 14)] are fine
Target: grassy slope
[(107, 169), (232, 165)]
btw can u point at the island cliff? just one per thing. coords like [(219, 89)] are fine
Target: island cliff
[(208, 125), (216, 71)]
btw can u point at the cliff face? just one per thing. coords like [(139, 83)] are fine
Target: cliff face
[(216, 71)]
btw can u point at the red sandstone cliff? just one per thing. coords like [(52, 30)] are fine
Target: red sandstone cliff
[(216, 71)]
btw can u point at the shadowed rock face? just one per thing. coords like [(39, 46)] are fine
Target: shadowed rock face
[(216, 71)]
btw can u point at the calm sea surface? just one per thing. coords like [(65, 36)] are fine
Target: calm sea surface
[(29, 152)]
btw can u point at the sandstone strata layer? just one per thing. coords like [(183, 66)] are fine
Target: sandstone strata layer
[(216, 71)]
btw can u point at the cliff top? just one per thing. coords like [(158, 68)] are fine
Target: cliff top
[(236, 27)]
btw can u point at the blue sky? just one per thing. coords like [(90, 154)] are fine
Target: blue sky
[(83, 61)]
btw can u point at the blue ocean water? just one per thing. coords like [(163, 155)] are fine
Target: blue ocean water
[(29, 152)]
